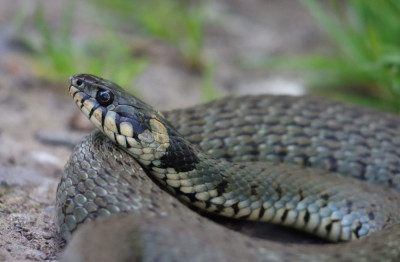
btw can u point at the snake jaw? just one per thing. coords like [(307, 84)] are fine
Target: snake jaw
[(144, 136), (127, 121)]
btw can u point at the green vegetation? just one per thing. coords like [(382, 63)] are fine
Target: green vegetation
[(115, 54), (56, 57), (208, 91), (364, 66), (178, 22)]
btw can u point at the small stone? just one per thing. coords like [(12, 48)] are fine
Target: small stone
[(29, 236), (48, 237), (43, 256)]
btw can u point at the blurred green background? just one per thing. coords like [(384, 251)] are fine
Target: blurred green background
[(354, 55)]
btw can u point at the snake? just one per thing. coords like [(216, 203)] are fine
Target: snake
[(148, 180)]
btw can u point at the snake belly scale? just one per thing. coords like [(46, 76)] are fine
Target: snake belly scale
[(268, 159)]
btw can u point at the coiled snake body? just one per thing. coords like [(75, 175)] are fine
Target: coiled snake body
[(268, 159)]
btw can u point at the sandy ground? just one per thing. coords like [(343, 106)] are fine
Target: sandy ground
[(36, 136)]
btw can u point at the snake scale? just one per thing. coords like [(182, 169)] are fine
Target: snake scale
[(269, 159)]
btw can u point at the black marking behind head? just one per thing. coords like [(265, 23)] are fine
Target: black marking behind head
[(179, 156)]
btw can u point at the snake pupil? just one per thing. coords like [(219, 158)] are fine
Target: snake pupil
[(104, 97), (79, 82)]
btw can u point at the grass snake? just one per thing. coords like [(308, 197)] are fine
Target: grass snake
[(301, 162)]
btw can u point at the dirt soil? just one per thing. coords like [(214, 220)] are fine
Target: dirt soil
[(39, 122)]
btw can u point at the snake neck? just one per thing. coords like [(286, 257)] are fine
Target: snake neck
[(146, 135), (181, 167), (169, 157)]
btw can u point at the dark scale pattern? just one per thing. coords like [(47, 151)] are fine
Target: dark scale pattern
[(93, 187), (305, 131), (129, 114), (302, 131), (179, 156)]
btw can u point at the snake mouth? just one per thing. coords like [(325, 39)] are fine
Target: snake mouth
[(86, 97), (88, 105)]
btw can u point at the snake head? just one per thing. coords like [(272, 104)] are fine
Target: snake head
[(100, 91), (125, 119)]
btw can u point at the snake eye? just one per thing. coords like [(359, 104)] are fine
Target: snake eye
[(104, 97), (79, 83)]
